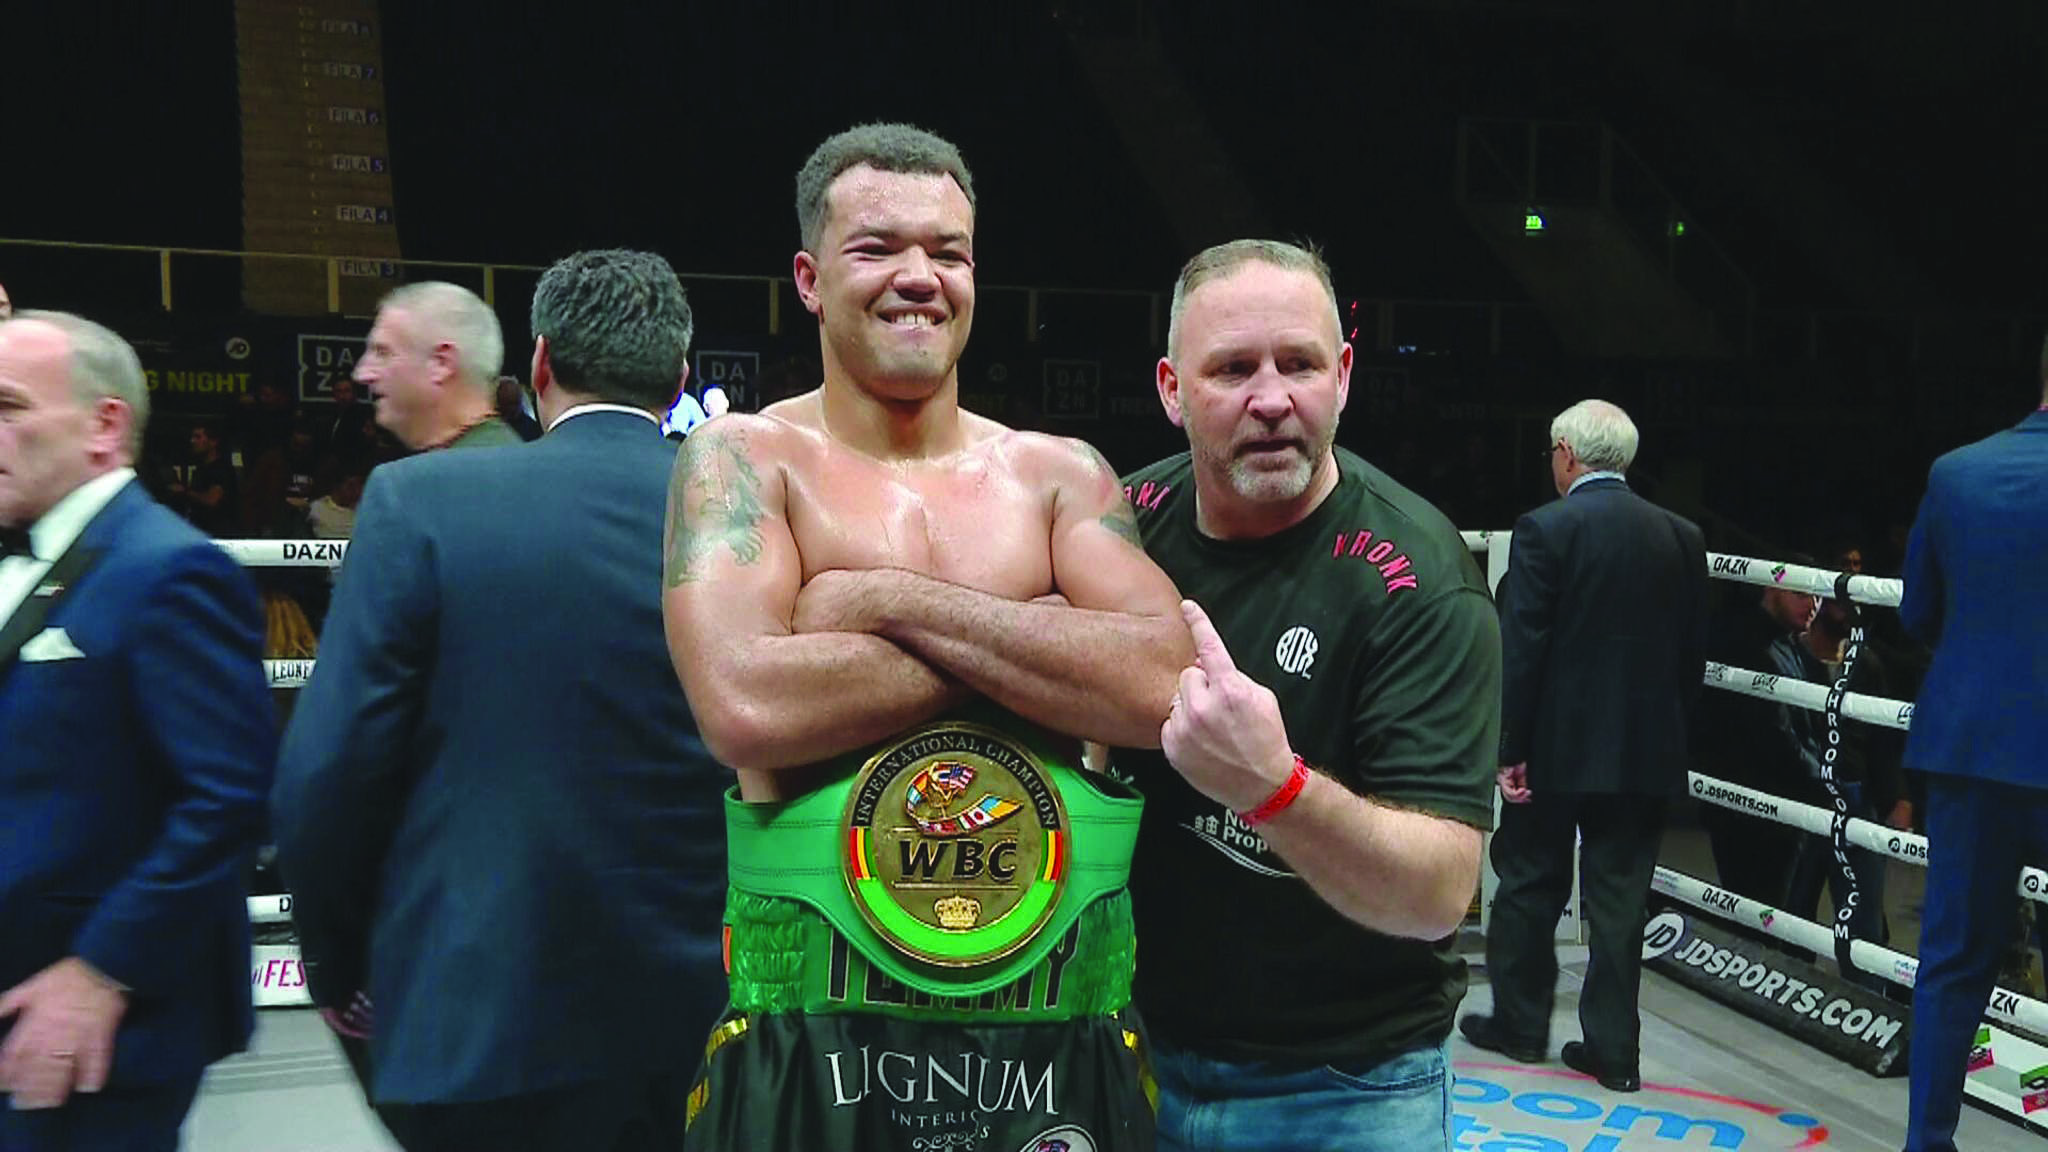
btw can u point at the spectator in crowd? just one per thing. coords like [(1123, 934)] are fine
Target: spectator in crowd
[(333, 516), (346, 433), (1867, 772), (262, 420), (211, 497), (683, 417), (1766, 745), (280, 484), (515, 408)]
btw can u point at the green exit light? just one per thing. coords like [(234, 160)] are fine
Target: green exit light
[(1532, 222), (1678, 227)]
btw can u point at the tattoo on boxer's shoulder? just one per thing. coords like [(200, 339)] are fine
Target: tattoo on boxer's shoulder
[(1121, 518), (1095, 460), (714, 501)]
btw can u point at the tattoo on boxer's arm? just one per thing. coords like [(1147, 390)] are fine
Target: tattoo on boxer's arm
[(714, 501), (1121, 518)]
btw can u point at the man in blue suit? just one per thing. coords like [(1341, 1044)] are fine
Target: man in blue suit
[(1973, 594), (137, 739), (493, 808)]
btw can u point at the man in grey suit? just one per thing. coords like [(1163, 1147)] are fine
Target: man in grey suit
[(1603, 621), (494, 810)]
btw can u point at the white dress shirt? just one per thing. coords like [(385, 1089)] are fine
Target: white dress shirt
[(52, 535), (580, 409)]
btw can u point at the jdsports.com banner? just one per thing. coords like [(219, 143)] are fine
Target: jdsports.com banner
[(1797, 998)]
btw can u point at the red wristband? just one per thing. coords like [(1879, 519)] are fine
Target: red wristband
[(1281, 798)]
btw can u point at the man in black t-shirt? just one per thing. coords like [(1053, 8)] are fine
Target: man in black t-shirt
[(1312, 829), (212, 498)]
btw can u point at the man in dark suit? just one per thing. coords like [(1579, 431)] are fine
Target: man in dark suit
[(1603, 632), (1973, 593), (493, 807), (136, 745)]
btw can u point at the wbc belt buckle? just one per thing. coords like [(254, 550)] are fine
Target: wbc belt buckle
[(956, 844)]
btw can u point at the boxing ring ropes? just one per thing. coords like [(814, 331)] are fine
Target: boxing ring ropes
[(277, 982)]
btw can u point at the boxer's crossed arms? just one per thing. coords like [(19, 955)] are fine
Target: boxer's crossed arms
[(820, 598)]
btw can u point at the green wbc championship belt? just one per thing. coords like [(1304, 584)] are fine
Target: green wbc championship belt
[(953, 858)]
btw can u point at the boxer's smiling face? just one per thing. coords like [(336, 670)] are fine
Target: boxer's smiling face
[(892, 280)]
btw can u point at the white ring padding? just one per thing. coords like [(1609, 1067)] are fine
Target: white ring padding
[(1896, 967), (288, 673), (1878, 710), (1479, 541), (270, 909), (1908, 846), (286, 553), (1880, 591)]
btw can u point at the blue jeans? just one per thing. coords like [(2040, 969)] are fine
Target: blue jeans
[(1400, 1105)]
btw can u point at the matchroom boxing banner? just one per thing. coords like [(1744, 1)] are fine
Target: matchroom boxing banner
[(1797, 998)]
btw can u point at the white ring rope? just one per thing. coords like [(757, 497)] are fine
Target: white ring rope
[(1875, 591), (1908, 846), (1878, 710), (1896, 967)]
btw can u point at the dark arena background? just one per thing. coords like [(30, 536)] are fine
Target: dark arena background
[(1801, 243)]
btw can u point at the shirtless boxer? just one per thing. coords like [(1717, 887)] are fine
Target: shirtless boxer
[(896, 620)]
